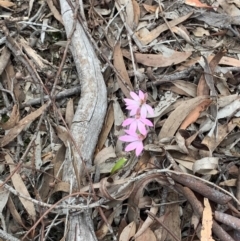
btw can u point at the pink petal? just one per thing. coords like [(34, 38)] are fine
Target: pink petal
[(133, 112), (128, 121), (142, 128), (132, 107), (150, 109), (141, 95), (135, 96), (146, 122), (139, 149), (127, 138), (143, 112), (131, 146), (132, 133), (131, 102), (133, 126)]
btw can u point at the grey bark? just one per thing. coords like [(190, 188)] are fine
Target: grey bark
[(88, 118)]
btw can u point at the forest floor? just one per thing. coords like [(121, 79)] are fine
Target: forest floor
[(166, 162)]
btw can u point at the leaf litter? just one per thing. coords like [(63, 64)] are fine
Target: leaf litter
[(184, 184)]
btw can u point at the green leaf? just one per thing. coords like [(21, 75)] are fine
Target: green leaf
[(119, 164)]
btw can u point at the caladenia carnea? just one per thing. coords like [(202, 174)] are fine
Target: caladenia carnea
[(138, 122)]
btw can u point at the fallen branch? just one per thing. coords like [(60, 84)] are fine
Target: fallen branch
[(61, 95), (87, 121), (198, 209)]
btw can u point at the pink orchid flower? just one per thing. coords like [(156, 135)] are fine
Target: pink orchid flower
[(137, 123), (136, 141), (138, 101)]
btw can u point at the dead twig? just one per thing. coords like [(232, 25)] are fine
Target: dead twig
[(227, 219), (198, 209), (7, 236), (202, 188), (61, 95)]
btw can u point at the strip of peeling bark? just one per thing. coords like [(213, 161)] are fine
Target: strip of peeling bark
[(88, 118)]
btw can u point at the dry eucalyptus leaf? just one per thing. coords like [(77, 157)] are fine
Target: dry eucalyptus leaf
[(159, 60), (197, 3), (181, 143), (136, 11), (205, 165), (236, 2), (147, 235), (61, 187), (173, 219), (4, 194), (128, 232), (185, 88), (102, 231), (181, 87), (54, 11), (4, 58), (150, 8), (231, 139), (195, 113), (127, 14), (104, 154), (207, 222), (15, 213), (63, 134), (225, 60), (102, 11), (200, 32), (222, 87), (21, 125), (21, 188), (150, 36), (107, 126), (13, 119), (186, 164), (118, 117), (226, 100), (218, 19), (58, 161), (230, 109), (144, 228), (37, 59), (6, 4), (229, 183), (69, 112), (176, 118), (45, 182), (223, 130), (121, 68), (182, 33), (229, 8)]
